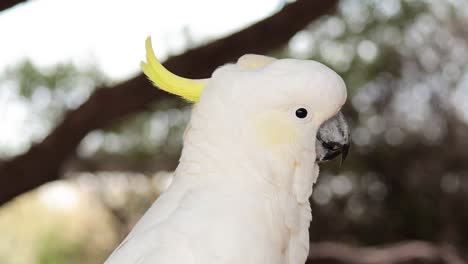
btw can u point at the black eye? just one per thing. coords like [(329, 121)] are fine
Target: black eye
[(301, 113)]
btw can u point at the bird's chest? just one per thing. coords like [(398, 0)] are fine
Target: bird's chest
[(292, 213), (240, 229), (291, 221), (266, 230)]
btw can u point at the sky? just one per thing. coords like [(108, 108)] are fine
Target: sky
[(111, 33)]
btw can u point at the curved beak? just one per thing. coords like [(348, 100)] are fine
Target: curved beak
[(333, 139)]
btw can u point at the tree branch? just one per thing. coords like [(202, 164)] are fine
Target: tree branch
[(406, 252), (164, 162), (44, 161), (5, 4)]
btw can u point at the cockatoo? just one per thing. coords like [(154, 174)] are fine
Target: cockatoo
[(240, 194)]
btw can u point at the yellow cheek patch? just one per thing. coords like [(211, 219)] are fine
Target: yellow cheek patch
[(275, 129)]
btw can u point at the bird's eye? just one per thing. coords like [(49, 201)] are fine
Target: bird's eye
[(301, 113)]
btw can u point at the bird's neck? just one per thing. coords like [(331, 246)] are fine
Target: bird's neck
[(283, 183), (223, 161)]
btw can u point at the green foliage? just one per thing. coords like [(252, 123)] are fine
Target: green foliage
[(64, 77)]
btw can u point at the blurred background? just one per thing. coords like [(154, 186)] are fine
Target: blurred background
[(87, 144)]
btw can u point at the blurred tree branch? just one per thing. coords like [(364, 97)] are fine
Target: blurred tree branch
[(164, 162), (5, 4), (405, 252), (44, 161)]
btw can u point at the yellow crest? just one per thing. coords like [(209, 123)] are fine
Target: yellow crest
[(165, 80)]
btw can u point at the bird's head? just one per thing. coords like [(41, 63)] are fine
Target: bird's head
[(284, 105)]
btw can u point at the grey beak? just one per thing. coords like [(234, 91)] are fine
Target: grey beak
[(333, 139)]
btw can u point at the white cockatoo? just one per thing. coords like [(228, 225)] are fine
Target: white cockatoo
[(240, 194)]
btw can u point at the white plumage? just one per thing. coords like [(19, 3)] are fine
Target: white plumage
[(240, 193)]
